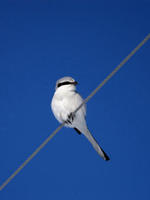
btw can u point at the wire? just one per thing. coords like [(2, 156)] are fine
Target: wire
[(115, 70), (85, 101)]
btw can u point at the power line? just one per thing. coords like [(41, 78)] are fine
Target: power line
[(85, 101)]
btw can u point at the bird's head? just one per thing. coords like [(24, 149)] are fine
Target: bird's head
[(66, 84)]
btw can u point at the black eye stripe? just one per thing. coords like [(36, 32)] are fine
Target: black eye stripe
[(64, 83)]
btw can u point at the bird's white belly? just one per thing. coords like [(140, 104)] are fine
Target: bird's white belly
[(63, 107)]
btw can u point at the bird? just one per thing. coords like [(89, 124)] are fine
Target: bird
[(64, 103)]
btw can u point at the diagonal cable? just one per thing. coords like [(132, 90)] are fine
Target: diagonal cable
[(85, 101)]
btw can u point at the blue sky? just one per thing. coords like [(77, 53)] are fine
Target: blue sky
[(42, 41)]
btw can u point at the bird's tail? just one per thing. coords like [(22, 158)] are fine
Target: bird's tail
[(96, 146)]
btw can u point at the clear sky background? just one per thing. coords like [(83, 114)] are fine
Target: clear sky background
[(42, 41)]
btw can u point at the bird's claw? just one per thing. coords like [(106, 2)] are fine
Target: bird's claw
[(70, 119)]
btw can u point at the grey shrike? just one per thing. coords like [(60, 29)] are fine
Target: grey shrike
[(64, 102)]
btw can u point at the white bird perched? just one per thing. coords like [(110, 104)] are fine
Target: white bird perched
[(65, 101)]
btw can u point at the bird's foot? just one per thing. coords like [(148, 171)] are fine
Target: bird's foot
[(70, 119)]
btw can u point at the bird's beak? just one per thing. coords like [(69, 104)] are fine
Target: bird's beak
[(75, 83)]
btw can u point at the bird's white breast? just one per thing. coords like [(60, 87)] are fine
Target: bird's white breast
[(64, 103)]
